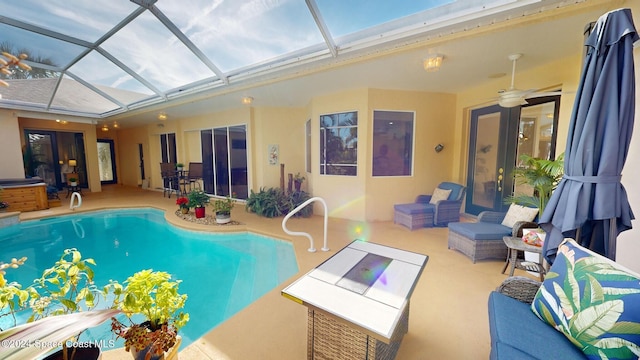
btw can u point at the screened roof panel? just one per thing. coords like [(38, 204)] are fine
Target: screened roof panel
[(40, 48), (349, 16), (148, 48), (158, 50), (234, 34), (74, 96), (111, 78), (87, 20)]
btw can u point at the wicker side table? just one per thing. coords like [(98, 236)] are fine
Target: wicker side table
[(331, 339), (514, 245)]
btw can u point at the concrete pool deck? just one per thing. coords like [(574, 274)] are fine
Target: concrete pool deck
[(448, 307)]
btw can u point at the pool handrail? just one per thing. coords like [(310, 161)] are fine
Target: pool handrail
[(74, 196), (302, 233)]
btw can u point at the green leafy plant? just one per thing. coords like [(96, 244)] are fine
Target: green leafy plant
[(73, 180), (179, 165), (155, 296), (274, 202), (542, 175), (298, 197), (64, 289), (269, 202), (197, 198), (224, 206), (12, 297)]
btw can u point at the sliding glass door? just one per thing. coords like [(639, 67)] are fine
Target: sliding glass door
[(224, 161)]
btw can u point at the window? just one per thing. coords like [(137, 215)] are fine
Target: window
[(339, 144), (392, 143)]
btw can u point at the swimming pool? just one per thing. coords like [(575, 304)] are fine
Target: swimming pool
[(220, 273)]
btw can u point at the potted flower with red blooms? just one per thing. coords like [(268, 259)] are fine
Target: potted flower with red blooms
[(183, 203)]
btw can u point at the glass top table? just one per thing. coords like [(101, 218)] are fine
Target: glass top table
[(366, 285)]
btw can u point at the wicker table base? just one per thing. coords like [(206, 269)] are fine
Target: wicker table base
[(330, 339)]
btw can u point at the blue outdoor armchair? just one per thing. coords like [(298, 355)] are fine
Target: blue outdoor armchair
[(422, 213)]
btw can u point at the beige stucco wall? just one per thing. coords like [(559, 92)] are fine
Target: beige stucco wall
[(434, 124), (11, 165), (283, 127), (345, 195)]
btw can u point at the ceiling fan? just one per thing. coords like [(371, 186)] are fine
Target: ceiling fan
[(513, 97)]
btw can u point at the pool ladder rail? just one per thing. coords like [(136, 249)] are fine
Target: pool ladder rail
[(302, 233), (75, 195)]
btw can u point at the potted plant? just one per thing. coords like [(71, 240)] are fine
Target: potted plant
[(542, 175), (197, 200), (179, 166), (183, 204), (222, 208), (73, 181), (297, 181), (152, 305)]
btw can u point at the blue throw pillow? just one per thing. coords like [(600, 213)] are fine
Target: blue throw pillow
[(593, 301)]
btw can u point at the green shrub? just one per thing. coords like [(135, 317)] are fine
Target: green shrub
[(273, 202), (298, 197), (269, 202)]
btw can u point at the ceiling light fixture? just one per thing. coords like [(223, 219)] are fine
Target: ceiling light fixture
[(433, 62), (247, 100), (162, 116)]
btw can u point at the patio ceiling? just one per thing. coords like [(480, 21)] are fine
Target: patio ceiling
[(117, 59)]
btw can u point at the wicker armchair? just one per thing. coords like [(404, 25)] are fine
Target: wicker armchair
[(446, 211), (520, 288), (483, 239)]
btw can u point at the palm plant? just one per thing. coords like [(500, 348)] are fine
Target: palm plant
[(542, 175)]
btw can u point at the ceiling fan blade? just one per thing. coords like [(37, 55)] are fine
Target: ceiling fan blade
[(544, 94)]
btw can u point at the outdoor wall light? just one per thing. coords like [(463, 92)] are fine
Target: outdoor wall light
[(438, 148), (433, 62), (105, 128), (247, 100), (162, 116)]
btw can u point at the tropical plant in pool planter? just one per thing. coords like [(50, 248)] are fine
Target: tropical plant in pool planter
[(297, 198), (154, 296)]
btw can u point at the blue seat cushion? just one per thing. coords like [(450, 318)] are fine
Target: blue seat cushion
[(480, 230), (414, 208), (512, 325)]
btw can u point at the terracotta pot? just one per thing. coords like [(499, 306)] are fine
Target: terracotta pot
[(199, 212), (184, 210)]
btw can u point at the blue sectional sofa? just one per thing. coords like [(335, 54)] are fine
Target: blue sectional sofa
[(517, 333), (588, 306)]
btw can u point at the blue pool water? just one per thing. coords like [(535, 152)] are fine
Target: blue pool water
[(220, 273)]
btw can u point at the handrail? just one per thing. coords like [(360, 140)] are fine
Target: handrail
[(301, 233), (73, 196)]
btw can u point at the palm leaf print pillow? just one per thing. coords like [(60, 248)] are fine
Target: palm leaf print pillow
[(593, 301)]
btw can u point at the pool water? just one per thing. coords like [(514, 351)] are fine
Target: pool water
[(220, 273)]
